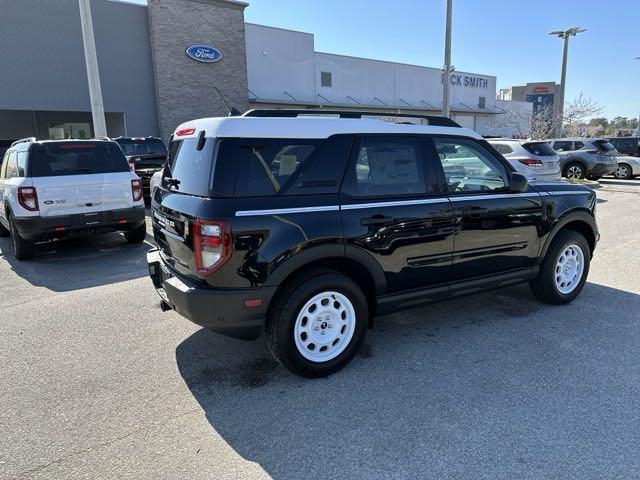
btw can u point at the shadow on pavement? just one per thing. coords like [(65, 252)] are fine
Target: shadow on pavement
[(497, 385), (81, 263)]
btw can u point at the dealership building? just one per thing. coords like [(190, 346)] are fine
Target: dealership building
[(164, 63)]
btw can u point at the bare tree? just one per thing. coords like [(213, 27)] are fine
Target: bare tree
[(546, 123)]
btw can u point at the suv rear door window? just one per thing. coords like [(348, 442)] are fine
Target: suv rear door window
[(578, 145), (541, 149), (76, 158), (387, 166)]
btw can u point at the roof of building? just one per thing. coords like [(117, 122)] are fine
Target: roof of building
[(307, 127)]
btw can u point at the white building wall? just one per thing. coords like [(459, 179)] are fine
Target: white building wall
[(282, 62)]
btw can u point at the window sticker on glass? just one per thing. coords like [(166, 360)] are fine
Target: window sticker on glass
[(288, 165)]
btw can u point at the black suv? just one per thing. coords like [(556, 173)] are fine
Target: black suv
[(306, 227), (146, 155)]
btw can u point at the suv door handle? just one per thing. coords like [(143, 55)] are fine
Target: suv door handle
[(376, 220)]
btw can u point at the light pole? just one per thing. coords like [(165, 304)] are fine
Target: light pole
[(638, 126), (93, 75), (446, 111), (564, 34)]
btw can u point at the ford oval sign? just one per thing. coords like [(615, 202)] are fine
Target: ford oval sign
[(204, 53)]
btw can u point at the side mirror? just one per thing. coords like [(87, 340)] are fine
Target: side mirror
[(518, 183)]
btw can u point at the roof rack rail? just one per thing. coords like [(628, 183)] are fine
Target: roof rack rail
[(24, 140), (433, 120)]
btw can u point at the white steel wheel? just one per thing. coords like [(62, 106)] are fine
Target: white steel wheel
[(569, 269), (324, 326)]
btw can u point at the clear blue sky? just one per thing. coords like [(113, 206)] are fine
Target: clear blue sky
[(506, 38)]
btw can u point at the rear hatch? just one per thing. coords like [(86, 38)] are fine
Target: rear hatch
[(606, 151), (543, 152), (178, 201), (80, 177)]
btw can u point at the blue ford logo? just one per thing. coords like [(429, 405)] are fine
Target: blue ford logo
[(204, 53)]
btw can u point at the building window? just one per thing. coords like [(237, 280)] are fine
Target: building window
[(325, 79), (482, 102)]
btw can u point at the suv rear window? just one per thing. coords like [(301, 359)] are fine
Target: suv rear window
[(603, 145), (192, 168), (541, 149), (142, 147), (76, 158)]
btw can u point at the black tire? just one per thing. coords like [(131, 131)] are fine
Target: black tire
[(544, 286), (137, 235), (628, 174), (3, 231), (576, 167), (22, 249), (288, 305)]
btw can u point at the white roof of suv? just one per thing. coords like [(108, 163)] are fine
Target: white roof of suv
[(307, 127)]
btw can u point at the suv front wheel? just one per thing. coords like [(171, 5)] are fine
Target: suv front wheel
[(564, 269), (318, 324)]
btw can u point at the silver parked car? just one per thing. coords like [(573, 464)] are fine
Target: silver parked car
[(628, 167), (585, 157), (533, 158)]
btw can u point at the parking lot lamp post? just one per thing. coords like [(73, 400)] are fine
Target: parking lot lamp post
[(564, 34), (638, 125), (446, 111), (93, 74)]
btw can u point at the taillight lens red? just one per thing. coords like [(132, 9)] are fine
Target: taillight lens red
[(28, 198), (136, 189), (531, 162), (212, 245)]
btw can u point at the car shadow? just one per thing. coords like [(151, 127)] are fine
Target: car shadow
[(484, 386), (79, 263)]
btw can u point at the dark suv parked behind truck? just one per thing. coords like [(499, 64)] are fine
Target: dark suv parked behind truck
[(306, 226), (145, 155)]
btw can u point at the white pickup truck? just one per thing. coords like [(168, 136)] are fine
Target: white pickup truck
[(55, 189)]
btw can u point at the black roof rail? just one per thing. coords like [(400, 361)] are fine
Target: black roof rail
[(433, 120)]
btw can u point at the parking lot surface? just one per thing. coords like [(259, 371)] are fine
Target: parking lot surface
[(97, 382)]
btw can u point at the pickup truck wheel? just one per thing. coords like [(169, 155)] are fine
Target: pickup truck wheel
[(22, 249), (137, 235), (318, 324), (564, 270), (574, 170)]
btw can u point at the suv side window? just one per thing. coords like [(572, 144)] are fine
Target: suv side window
[(11, 168), (503, 148), (578, 145), (386, 166), (562, 146), (3, 165), (21, 164), (469, 167)]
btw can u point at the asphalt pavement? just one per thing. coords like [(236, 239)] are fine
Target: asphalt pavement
[(97, 382)]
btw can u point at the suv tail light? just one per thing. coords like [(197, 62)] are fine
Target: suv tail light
[(28, 198), (136, 189), (211, 245), (531, 162)]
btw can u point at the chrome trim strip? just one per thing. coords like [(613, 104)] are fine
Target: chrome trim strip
[(283, 211), (399, 203)]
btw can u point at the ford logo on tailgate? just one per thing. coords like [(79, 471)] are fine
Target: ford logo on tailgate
[(204, 53)]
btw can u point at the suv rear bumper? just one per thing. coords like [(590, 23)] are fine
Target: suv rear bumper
[(36, 229), (221, 310)]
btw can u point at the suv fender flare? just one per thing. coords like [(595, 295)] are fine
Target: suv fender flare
[(318, 253), (568, 217)]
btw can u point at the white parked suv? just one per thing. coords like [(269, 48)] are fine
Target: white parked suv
[(534, 159), (55, 189)]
